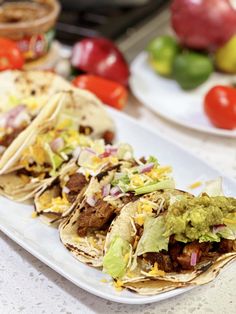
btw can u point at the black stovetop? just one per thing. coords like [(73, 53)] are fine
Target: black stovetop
[(110, 22)]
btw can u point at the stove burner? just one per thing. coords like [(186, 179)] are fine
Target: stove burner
[(110, 22)]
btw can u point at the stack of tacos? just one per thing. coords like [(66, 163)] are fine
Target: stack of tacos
[(114, 211), (84, 231)]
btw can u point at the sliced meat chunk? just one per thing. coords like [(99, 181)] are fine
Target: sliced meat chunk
[(131, 197), (175, 250), (226, 246), (163, 260), (76, 183), (108, 137), (185, 261), (8, 138), (95, 217)]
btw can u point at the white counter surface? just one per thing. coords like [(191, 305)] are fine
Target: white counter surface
[(28, 286)]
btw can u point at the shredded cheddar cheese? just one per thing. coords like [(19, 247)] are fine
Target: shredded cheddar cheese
[(158, 173), (229, 221), (139, 220), (195, 185), (155, 271), (118, 285), (64, 124), (137, 180), (104, 280), (34, 215)]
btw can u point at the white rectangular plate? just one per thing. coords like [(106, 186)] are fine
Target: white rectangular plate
[(43, 241)]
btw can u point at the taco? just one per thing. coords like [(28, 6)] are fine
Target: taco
[(55, 200), (24, 94), (84, 232), (38, 153), (172, 236)]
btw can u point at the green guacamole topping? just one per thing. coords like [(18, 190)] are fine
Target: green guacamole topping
[(193, 218)]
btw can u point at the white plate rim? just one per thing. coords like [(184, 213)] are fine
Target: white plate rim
[(140, 58)]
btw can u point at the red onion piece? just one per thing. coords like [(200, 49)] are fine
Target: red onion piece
[(90, 150), (104, 155), (115, 191), (106, 190), (193, 260), (91, 201), (109, 150), (11, 115), (218, 228), (66, 190), (57, 144), (147, 167)]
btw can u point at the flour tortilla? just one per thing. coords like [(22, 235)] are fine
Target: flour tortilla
[(85, 108), (88, 249), (123, 226)]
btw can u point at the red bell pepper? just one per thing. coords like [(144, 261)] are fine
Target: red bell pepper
[(100, 56), (110, 92)]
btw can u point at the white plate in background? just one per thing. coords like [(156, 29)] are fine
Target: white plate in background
[(43, 241), (166, 98)]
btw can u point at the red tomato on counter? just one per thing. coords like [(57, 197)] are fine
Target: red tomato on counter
[(110, 92), (10, 55), (220, 106)]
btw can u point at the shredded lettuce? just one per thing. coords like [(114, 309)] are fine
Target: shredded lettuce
[(166, 184), (152, 159), (116, 259), (152, 239), (125, 151), (55, 160)]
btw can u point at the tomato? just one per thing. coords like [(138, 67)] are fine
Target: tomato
[(220, 106), (110, 92), (10, 55)]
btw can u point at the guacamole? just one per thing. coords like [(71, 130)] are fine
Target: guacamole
[(194, 218)]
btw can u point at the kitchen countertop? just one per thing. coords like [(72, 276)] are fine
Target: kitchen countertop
[(28, 286)]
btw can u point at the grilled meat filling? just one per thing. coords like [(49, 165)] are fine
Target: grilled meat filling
[(100, 215), (94, 217), (179, 254), (8, 138), (75, 184)]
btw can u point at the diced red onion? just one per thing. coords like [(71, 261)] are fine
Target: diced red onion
[(90, 150), (66, 190), (106, 190), (104, 155), (218, 228), (57, 144), (23, 116), (193, 260), (76, 152), (109, 150), (91, 201), (115, 191), (147, 168), (11, 115)]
